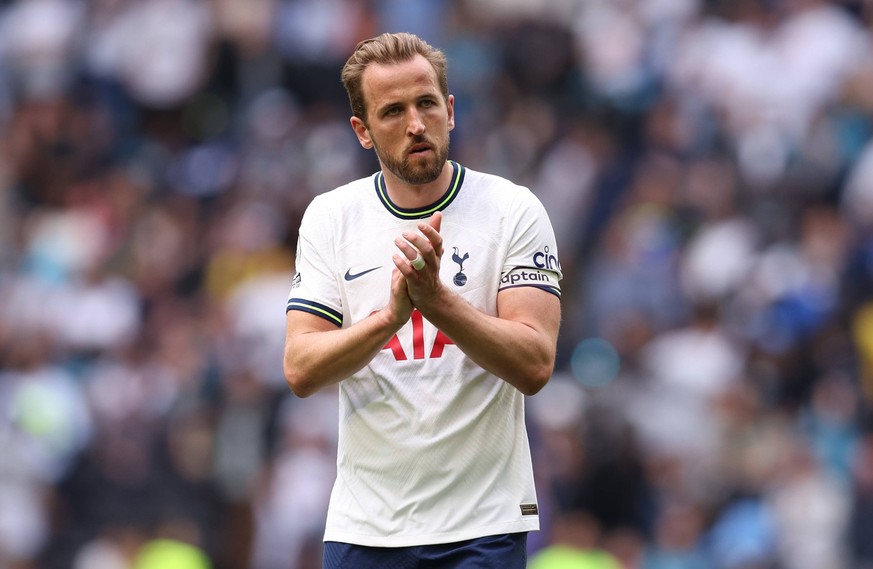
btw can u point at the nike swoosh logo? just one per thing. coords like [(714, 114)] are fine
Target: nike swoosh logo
[(350, 277)]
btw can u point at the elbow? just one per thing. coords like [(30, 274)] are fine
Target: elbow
[(533, 381), (298, 382), (299, 387)]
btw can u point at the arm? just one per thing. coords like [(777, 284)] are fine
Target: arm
[(518, 345), (318, 354)]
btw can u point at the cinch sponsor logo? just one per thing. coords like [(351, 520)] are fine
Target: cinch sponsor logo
[(545, 260), (524, 276)]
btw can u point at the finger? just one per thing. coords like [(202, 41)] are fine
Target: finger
[(409, 250), (399, 284), (401, 304), (403, 265), (436, 221), (397, 279), (433, 236), (419, 242), (431, 229)]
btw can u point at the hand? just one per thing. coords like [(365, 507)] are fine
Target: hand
[(399, 307), (424, 284)]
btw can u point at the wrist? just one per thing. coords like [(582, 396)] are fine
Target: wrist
[(389, 320), (433, 304)]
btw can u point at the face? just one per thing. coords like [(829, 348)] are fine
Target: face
[(408, 120)]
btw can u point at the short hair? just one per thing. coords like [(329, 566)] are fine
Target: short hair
[(386, 49)]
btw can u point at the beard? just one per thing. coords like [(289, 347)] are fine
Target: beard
[(420, 172)]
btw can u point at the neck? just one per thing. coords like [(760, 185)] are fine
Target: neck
[(412, 196)]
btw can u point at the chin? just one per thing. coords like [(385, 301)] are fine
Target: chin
[(423, 175)]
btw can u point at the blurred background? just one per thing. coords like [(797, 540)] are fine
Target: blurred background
[(708, 168)]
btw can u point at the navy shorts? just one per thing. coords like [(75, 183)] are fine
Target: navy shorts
[(507, 551)]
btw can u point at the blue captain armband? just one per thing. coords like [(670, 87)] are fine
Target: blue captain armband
[(531, 277)]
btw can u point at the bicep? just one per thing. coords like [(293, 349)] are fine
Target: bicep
[(534, 307), (298, 322), (304, 359)]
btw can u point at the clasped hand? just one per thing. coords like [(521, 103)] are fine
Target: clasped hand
[(419, 286)]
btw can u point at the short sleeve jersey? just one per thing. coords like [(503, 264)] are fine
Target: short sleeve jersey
[(432, 448)]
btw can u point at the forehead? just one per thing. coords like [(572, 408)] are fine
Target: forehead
[(384, 84)]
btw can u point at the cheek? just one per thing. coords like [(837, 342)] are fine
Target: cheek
[(383, 139)]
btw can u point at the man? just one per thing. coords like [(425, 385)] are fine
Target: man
[(429, 293)]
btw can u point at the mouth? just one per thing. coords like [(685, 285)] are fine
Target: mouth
[(417, 149)]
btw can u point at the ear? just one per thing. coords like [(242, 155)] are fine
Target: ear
[(450, 107), (361, 132)]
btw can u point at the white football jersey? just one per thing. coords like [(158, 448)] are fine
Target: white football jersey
[(432, 448)]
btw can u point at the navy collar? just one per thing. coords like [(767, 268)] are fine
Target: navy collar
[(428, 210)]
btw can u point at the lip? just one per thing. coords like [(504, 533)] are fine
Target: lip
[(418, 149)]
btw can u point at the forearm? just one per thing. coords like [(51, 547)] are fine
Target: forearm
[(315, 359), (513, 350)]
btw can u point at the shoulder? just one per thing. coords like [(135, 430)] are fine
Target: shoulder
[(486, 182), (347, 193), (500, 193), (332, 203)]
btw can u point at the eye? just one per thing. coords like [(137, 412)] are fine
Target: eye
[(392, 111)]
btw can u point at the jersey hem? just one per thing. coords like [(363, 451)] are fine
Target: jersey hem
[(432, 539)]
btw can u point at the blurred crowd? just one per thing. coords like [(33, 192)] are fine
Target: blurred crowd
[(708, 168)]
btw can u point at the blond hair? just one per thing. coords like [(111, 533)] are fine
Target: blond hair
[(387, 49)]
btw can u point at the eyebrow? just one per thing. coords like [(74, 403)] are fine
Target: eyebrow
[(422, 97)]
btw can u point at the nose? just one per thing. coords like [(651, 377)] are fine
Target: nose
[(414, 125)]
